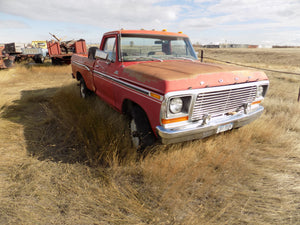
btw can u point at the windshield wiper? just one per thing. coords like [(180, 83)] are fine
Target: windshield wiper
[(181, 57), (150, 58)]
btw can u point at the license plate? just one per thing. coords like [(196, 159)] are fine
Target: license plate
[(224, 127)]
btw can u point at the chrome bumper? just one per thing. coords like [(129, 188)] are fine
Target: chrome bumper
[(198, 131)]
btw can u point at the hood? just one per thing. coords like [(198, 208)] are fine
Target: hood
[(169, 76)]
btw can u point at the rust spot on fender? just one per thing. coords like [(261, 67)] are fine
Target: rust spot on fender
[(174, 70)]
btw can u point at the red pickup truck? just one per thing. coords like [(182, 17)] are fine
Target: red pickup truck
[(156, 79)]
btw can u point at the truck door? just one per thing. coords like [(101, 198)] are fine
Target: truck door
[(104, 71)]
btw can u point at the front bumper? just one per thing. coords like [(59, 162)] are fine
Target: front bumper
[(198, 131)]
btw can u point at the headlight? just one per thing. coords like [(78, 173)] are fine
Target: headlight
[(260, 91), (176, 105)]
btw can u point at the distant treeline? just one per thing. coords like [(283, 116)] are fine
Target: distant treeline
[(284, 46), (240, 46), (227, 46)]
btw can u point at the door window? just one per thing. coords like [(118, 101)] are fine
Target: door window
[(110, 48)]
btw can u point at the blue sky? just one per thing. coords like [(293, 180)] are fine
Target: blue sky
[(264, 22)]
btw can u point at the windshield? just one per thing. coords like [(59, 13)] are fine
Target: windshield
[(143, 48)]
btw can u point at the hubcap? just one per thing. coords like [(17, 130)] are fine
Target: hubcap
[(134, 137), (82, 90)]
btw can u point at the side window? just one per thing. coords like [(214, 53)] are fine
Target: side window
[(110, 48)]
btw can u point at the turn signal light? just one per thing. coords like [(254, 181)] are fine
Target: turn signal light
[(257, 102), (154, 95), (174, 120)]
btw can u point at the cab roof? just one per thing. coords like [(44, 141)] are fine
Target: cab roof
[(147, 32)]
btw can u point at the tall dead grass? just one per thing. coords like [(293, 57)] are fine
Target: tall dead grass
[(69, 161), (275, 59), (102, 131)]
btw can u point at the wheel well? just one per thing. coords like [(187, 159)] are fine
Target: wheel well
[(128, 105), (143, 129), (78, 76)]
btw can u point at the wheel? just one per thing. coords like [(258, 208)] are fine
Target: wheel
[(57, 61), (8, 63), (41, 59), (84, 91), (35, 59), (54, 61), (140, 129)]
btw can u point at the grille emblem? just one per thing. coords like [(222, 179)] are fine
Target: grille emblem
[(206, 118), (220, 81)]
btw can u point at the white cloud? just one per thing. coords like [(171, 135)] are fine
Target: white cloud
[(12, 24), (103, 13), (247, 10), (221, 12), (212, 20), (250, 21)]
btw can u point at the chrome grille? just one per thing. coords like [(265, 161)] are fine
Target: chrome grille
[(218, 103)]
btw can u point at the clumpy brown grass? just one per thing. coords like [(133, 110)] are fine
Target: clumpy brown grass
[(102, 131), (207, 181), (65, 160), (274, 59)]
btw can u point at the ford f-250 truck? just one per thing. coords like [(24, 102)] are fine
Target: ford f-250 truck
[(168, 94)]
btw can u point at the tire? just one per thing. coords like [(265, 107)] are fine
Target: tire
[(54, 61), (140, 129), (35, 59), (8, 63), (84, 91), (41, 59), (57, 61)]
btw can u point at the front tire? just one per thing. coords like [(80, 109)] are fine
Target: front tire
[(140, 129), (84, 91)]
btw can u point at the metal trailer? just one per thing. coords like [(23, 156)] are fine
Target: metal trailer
[(6, 60), (2, 65), (11, 53), (14, 52), (37, 54), (61, 52), (13, 48)]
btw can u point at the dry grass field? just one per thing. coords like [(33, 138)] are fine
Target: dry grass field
[(65, 160)]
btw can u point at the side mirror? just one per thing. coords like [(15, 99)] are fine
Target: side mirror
[(92, 52), (101, 54)]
